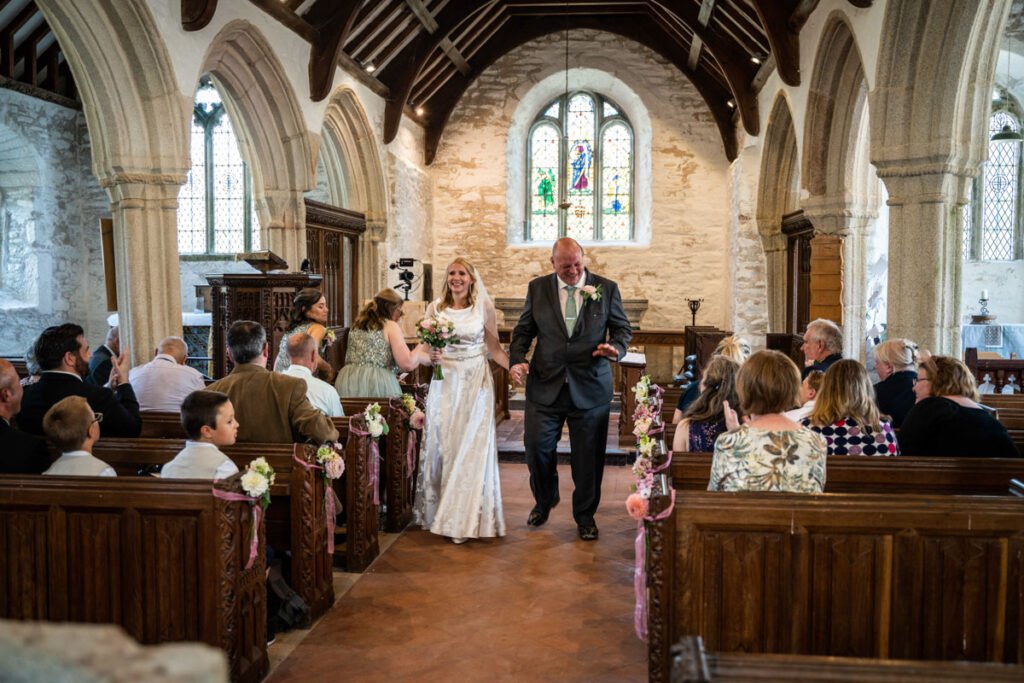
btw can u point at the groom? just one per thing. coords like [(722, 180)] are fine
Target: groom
[(579, 323)]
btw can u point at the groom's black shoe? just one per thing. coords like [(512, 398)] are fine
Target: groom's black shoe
[(537, 517), (587, 532)]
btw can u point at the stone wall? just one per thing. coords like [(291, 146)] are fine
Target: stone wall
[(52, 258), (1004, 281), (684, 244)]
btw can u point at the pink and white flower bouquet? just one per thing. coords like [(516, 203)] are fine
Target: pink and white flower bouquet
[(436, 331), (329, 457), (257, 480)]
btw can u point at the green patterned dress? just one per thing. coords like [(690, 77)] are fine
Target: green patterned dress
[(752, 459), (370, 369)]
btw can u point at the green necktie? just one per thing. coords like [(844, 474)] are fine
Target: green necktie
[(570, 309)]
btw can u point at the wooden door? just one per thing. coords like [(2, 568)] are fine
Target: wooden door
[(799, 231)]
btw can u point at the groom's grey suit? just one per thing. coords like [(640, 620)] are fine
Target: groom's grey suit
[(566, 382)]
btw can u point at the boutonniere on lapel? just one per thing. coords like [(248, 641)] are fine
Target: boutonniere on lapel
[(591, 293)]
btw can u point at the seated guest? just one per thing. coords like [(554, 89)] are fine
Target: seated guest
[(73, 428), (302, 353), (62, 353), (31, 366), (309, 315), (270, 407), (101, 362), (769, 452), (209, 420), (823, 345), (736, 349), (846, 415), (894, 363), (377, 350), (20, 453), (704, 420), (809, 389), (164, 382), (947, 420)]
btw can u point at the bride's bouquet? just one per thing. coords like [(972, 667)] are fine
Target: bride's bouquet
[(436, 331)]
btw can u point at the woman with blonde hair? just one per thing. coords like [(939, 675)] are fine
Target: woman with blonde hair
[(377, 351), (895, 364), (947, 419), (768, 452), (736, 349), (705, 418), (846, 415), (458, 490)]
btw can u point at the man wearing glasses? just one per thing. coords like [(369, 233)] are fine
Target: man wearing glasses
[(74, 428)]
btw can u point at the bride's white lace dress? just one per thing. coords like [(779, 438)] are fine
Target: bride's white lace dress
[(458, 490)]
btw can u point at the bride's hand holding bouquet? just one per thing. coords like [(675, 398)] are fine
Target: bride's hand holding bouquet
[(437, 332)]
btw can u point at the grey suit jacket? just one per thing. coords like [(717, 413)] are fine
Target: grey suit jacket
[(560, 357)]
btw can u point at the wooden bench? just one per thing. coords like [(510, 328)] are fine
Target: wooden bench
[(164, 560), (848, 575), (691, 664), (864, 474), (998, 369)]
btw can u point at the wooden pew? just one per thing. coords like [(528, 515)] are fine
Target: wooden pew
[(999, 369), (397, 484), (848, 575), (164, 560), (691, 663), (864, 474)]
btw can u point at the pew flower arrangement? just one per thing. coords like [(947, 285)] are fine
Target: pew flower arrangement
[(416, 417), (257, 480), (375, 422), (437, 331), (330, 458)]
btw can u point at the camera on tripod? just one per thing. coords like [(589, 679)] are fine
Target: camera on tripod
[(406, 278)]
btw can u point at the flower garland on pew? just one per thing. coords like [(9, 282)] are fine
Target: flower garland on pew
[(652, 458), (414, 419), (331, 461), (257, 480), (376, 427)]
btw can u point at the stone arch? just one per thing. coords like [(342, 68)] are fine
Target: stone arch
[(778, 194), (272, 135), (930, 105), (842, 201), (353, 162), (137, 119)]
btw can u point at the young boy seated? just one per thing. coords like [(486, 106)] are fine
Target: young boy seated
[(209, 420), (808, 393), (71, 426)]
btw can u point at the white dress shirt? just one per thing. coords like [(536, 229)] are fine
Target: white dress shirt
[(322, 395), (800, 413), (563, 294), (197, 456), (162, 384), (74, 463)]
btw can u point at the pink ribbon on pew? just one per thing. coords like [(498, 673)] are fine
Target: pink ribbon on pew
[(330, 511), (374, 461), (257, 512), (640, 569)]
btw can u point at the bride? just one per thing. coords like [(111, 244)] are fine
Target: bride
[(458, 491)]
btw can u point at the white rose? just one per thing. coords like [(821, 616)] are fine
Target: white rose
[(254, 483), (376, 428)]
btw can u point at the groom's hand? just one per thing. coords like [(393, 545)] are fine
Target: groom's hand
[(519, 371), (606, 350)]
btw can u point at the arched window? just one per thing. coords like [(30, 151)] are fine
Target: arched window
[(580, 152), (992, 225), (216, 214)]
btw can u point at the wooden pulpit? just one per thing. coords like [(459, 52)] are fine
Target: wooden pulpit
[(265, 297)]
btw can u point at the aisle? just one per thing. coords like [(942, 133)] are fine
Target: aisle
[(538, 605)]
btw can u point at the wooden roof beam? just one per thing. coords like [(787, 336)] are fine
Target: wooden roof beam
[(7, 60), (783, 35), (196, 14), (333, 21)]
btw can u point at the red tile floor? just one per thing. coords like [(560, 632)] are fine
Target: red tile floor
[(537, 605)]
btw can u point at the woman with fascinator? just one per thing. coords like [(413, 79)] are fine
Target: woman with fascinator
[(458, 490)]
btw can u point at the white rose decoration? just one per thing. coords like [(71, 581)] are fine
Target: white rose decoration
[(254, 483), (376, 428)]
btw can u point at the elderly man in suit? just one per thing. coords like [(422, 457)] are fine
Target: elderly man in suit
[(102, 360), (823, 346), (579, 323), (269, 407), (20, 453), (63, 356)]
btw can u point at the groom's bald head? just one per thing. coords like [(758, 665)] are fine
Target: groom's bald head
[(567, 260)]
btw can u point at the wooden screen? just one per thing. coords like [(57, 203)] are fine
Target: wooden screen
[(332, 247), (799, 232)]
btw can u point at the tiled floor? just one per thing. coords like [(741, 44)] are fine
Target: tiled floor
[(537, 605)]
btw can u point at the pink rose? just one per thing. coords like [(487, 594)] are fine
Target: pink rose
[(636, 506), (417, 419), (335, 467), (588, 290)]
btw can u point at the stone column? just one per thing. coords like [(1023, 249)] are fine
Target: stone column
[(285, 231), (145, 209), (776, 265), (924, 257), (370, 278)]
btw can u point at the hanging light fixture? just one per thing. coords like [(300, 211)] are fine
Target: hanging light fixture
[(566, 204), (1007, 134)]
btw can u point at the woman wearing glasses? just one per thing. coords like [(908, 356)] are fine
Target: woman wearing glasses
[(947, 419)]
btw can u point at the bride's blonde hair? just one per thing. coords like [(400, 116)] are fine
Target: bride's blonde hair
[(447, 299)]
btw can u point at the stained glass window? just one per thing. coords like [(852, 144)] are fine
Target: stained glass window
[(216, 213), (580, 153)]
